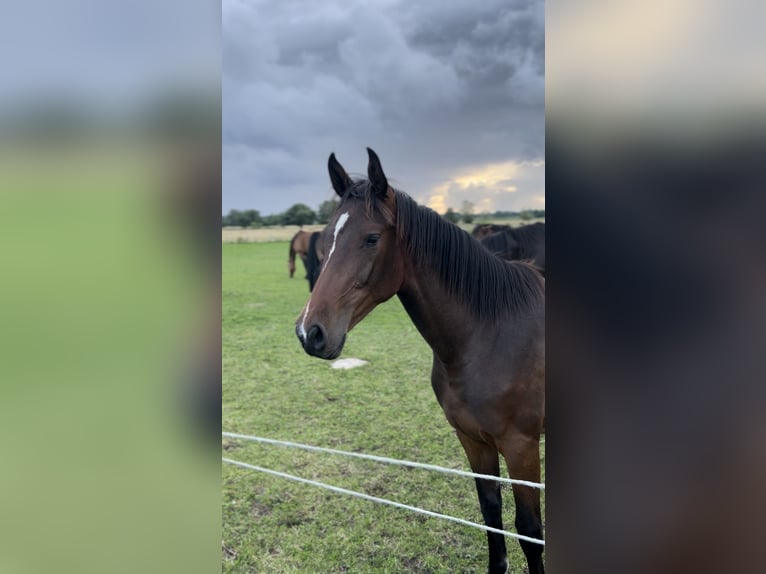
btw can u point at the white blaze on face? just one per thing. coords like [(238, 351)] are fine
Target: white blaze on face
[(338, 226), (302, 326)]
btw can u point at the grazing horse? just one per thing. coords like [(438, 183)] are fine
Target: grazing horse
[(526, 242), (298, 244), (482, 317), (482, 230)]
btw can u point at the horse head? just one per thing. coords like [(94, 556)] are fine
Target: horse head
[(363, 263)]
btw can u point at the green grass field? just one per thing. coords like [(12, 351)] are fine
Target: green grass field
[(273, 389)]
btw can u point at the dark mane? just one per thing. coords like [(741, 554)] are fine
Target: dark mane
[(500, 243), (489, 286), (361, 189), (468, 271)]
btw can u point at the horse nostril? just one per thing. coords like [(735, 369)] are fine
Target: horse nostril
[(316, 337)]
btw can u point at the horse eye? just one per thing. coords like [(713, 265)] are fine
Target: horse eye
[(372, 239)]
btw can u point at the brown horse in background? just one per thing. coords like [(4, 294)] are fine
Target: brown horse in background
[(298, 244), (484, 319)]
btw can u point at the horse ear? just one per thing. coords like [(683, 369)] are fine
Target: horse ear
[(338, 176), (376, 176)]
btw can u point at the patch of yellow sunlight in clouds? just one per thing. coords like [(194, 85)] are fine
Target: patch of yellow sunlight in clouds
[(484, 185)]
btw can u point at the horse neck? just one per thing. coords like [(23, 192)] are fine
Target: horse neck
[(443, 322), (453, 290)]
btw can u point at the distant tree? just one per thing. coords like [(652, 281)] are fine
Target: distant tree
[(237, 218), (274, 219), (299, 214), (452, 216), (325, 211), (526, 215), (467, 212), (253, 218)]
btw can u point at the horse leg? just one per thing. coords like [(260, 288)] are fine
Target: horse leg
[(484, 460), (522, 456)]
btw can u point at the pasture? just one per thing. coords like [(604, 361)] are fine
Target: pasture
[(263, 234), (271, 388)]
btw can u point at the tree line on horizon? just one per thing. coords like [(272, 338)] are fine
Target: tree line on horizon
[(301, 214)]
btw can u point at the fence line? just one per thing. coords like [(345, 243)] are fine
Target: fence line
[(382, 501), (386, 460)]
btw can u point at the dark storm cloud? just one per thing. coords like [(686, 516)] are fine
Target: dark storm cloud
[(493, 46), (436, 88)]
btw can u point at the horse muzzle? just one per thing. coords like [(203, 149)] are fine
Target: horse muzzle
[(315, 342)]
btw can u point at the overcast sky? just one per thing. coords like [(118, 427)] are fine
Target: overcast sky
[(449, 94)]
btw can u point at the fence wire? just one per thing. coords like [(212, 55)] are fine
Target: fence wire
[(381, 500)]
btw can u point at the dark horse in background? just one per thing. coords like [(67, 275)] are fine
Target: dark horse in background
[(484, 319), (520, 243), (482, 230), (310, 248), (315, 257), (298, 244)]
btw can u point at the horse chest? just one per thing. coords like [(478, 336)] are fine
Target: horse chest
[(465, 403)]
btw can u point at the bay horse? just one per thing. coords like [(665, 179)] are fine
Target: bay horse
[(298, 244), (482, 317), (520, 243)]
